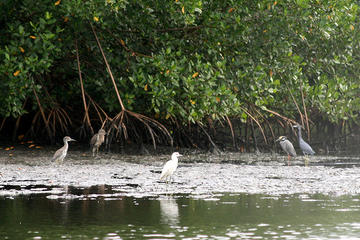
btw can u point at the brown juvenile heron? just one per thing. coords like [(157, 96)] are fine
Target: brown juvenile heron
[(97, 140), (287, 146), (60, 154)]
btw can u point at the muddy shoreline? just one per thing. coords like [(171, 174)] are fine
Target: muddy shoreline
[(31, 172)]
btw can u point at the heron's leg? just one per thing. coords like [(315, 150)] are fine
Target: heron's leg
[(306, 160), (289, 157), (93, 151)]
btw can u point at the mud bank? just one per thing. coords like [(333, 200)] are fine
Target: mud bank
[(198, 174)]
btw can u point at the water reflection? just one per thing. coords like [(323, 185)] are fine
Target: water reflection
[(169, 210), (85, 203), (228, 216)]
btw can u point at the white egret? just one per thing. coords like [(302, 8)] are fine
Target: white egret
[(170, 167), (60, 154)]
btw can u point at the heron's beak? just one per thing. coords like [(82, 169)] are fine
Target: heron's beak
[(72, 140), (279, 138)]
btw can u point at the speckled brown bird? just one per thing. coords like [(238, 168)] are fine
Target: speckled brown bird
[(97, 140)]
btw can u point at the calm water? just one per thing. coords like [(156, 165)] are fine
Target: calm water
[(98, 214)]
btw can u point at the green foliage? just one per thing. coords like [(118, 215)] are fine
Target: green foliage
[(189, 60)]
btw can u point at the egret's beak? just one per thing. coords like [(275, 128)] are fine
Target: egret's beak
[(72, 140)]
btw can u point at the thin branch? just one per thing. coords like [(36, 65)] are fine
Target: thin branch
[(305, 112), (261, 129), (108, 68), (216, 149), (43, 115), (2, 123), (183, 28), (82, 89), (18, 123), (121, 117), (279, 115), (97, 107), (133, 53), (265, 119), (232, 131), (294, 100)]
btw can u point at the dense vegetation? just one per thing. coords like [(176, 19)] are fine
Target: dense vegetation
[(167, 66)]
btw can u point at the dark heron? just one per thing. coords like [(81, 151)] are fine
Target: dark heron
[(170, 167), (304, 146), (97, 140), (60, 154), (287, 146)]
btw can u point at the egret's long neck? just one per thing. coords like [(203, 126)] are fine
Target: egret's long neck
[(174, 158)]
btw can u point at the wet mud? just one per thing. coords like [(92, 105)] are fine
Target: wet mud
[(115, 175)]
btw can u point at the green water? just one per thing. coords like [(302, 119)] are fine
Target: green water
[(219, 216)]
